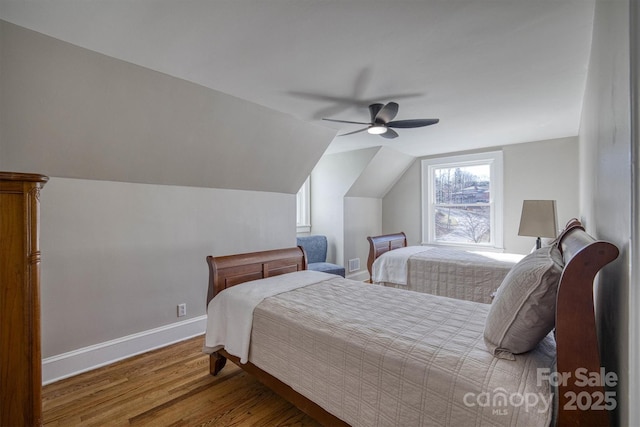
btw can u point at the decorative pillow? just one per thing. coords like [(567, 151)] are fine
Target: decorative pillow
[(523, 311)]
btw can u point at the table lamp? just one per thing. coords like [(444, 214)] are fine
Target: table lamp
[(538, 220)]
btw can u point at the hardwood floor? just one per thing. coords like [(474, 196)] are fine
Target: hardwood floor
[(167, 387)]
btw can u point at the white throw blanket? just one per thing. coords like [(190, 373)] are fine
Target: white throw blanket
[(230, 313), (391, 266)]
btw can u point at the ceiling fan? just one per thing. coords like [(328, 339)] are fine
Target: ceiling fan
[(382, 116)]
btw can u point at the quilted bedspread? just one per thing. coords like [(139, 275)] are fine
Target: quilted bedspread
[(455, 273), (378, 356)]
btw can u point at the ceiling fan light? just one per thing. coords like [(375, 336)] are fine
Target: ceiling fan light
[(377, 129)]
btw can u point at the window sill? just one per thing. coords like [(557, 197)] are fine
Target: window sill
[(303, 229)]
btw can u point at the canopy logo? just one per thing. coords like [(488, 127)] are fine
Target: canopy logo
[(500, 400)]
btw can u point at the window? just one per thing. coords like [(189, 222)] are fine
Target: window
[(303, 208), (462, 200)]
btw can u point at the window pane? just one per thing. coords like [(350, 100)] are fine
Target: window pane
[(468, 224), (462, 200), (462, 185)]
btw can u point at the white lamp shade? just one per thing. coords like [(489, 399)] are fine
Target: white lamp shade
[(538, 219)]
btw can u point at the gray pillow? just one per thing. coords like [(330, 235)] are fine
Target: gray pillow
[(524, 309)]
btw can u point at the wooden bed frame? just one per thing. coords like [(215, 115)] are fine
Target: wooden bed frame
[(576, 340), (227, 271), (381, 244)]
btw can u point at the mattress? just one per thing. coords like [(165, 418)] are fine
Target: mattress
[(454, 273), (377, 356)]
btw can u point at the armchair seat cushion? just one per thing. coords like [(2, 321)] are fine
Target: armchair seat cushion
[(315, 248), (326, 267)]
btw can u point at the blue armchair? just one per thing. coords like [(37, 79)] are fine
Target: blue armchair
[(316, 249)]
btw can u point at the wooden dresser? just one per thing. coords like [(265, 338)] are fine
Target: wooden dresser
[(20, 356)]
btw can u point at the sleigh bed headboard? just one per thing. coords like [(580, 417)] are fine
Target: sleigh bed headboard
[(576, 338), (226, 271), (384, 243)]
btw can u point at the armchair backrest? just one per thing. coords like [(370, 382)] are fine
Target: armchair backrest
[(315, 247)]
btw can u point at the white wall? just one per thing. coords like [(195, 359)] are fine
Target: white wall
[(402, 204), (346, 193), (534, 170), (362, 217), (117, 257), (633, 389), (538, 171), (331, 179), (363, 204), (606, 192)]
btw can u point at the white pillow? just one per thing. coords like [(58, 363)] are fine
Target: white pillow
[(523, 311)]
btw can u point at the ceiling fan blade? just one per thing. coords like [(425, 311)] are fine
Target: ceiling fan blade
[(387, 113), (355, 131), (374, 109), (321, 97), (332, 110), (413, 123), (363, 80), (347, 121), (392, 96), (389, 134)]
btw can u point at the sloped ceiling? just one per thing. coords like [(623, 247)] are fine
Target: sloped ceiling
[(494, 72), (70, 112), (381, 173)]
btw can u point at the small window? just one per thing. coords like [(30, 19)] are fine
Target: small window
[(462, 200), (303, 207)]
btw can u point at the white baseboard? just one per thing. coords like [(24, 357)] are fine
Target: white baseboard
[(85, 359)]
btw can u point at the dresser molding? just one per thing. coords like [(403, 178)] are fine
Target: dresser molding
[(20, 353)]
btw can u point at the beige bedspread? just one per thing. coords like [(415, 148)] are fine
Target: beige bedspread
[(377, 356), (455, 273)]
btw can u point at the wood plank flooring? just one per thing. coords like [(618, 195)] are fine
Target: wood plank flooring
[(167, 387)]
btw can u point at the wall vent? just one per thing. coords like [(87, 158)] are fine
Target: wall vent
[(354, 264)]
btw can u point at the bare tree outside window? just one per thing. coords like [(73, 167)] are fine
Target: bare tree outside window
[(462, 204), (462, 200)]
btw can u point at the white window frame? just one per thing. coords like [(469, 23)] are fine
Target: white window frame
[(494, 160), (303, 207)]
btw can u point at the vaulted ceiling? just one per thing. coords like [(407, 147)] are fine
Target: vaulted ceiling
[(493, 71)]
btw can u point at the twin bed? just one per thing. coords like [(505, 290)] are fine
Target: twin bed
[(450, 272), (350, 353)]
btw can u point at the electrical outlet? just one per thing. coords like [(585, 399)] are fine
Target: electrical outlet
[(182, 310)]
